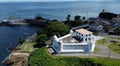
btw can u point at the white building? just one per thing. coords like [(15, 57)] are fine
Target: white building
[(78, 41)]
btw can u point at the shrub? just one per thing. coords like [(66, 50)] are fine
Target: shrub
[(41, 57)]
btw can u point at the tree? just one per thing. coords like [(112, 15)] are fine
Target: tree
[(41, 38), (77, 18), (117, 30), (107, 15), (103, 10), (68, 21), (84, 18), (57, 28), (77, 21), (106, 28), (43, 31), (68, 18), (38, 17)]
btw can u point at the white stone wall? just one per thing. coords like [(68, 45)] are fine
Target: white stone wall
[(85, 46), (64, 36), (84, 37), (80, 47), (55, 44)]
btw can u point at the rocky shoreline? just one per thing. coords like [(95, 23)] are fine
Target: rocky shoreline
[(37, 21), (18, 58), (12, 24)]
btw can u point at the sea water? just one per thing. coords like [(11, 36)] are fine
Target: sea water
[(50, 10), (56, 10)]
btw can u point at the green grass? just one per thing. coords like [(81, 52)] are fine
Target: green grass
[(102, 41), (115, 47), (27, 47), (96, 50), (115, 37), (41, 57)]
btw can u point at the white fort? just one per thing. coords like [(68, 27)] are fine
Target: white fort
[(77, 41)]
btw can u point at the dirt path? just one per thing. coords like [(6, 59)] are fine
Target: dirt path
[(18, 59), (104, 51)]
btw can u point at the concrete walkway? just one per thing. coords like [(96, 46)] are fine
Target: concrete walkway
[(104, 51)]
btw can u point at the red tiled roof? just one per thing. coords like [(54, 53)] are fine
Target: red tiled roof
[(83, 31)]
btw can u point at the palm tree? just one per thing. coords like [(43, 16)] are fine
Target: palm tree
[(77, 18), (103, 10), (68, 18), (84, 18)]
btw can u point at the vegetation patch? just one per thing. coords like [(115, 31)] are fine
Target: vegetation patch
[(115, 47), (96, 50), (57, 28), (27, 47), (107, 15), (102, 41), (41, 57)]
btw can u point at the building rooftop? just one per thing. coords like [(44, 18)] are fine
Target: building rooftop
[(84, 31), (69, 39), (73, 40)]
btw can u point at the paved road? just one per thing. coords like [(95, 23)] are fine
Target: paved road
[(104, 51)]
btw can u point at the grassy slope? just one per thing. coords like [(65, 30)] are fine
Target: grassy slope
[(115, 47), (102, 41), (96, 50), (42, 58), (27, 47)]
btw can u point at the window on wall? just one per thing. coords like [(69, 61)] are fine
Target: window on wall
[(82, 39), (89, 34), (78, 37), (82, 34), (77, 33), (89, 39), (85, 39)]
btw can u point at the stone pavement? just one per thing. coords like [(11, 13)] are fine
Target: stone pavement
[(104, 51)]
